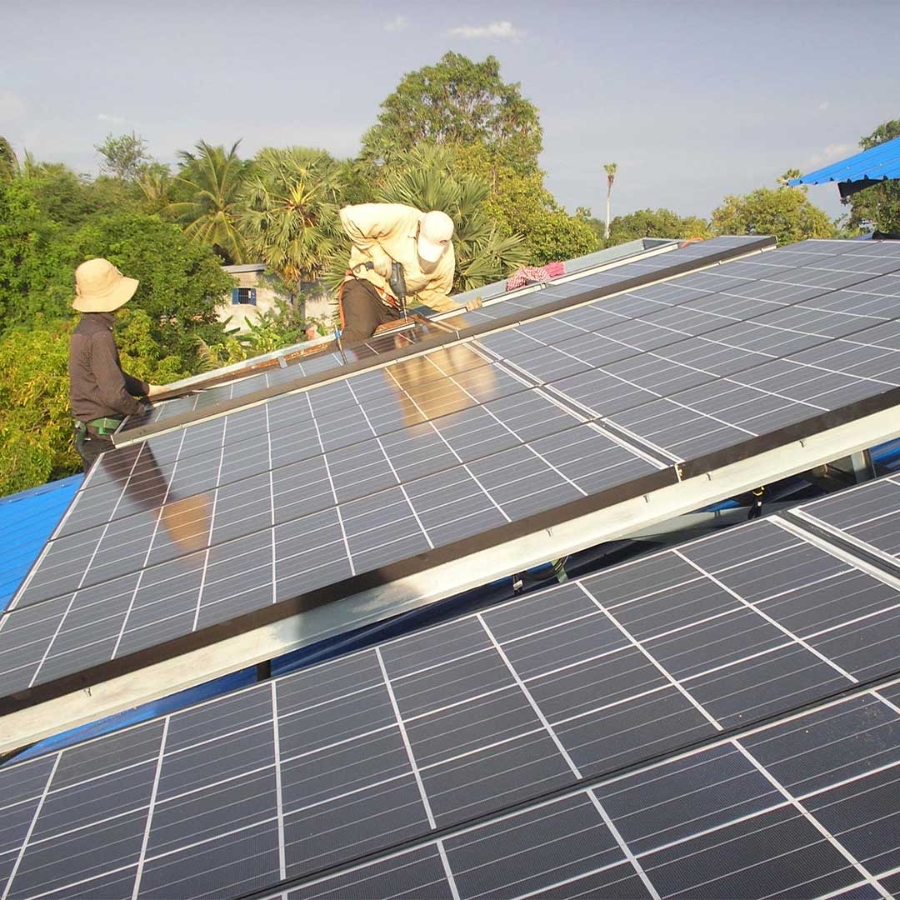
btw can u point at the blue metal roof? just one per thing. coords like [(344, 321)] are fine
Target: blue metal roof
[(26, 521), (877, 164)]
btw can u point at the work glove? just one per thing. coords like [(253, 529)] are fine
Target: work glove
[(381, 262)]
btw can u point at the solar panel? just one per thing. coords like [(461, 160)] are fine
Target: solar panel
[(574, 268), (769, 813), (563, 292), (206, 394), (866, 519), (384, 349), (728, 368), (367, 487), (687, 722)]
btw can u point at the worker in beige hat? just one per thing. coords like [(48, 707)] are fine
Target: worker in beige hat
[(100, 393), (384, 235)]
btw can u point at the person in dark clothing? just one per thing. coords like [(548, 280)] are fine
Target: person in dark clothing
[(100, 393)]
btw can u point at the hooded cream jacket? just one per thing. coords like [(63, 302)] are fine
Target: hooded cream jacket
[(380, 230)]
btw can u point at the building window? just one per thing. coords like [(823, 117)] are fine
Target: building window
[(243, 295)]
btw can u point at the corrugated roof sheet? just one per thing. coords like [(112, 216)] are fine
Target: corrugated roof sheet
[(877, 164), (26, 521)]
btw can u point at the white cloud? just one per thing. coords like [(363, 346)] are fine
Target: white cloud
[(401, 23), (831, 153), (824, 105), (115, 120), (503, 30), (12, 106)]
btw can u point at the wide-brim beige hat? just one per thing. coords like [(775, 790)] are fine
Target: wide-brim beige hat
[(101, 287)]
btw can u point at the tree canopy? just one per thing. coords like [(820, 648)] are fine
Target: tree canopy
[(521, 205), (35, 423), (9, 162), (878, 206), (210, 181), (659, 223), (458, 101), (289, 214), (124, 157), (784, 212)]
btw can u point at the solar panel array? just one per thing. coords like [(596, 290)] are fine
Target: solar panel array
[(526, 303), (574, 268), (706, 721), (195, 528), (517, 305), (314, 488), (704, 362)]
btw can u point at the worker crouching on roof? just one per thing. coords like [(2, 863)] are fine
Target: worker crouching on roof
[(100, 393), (383, 234)]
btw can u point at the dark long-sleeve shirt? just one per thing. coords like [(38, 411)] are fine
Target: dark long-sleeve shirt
[(97, 385)]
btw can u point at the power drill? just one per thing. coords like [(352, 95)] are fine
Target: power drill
[(397, 282)]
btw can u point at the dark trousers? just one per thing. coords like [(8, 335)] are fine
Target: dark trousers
[(90, 445), (362, 311)]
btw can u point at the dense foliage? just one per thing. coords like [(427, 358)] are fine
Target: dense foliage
[(878, 206), (783, 211), (659, 223), (458, 102)]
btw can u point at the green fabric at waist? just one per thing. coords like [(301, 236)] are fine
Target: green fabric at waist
[(104, 426)]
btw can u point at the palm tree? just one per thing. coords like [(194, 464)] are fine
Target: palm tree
[(211, 181), (610, 169), (425, 178), (156, 184), (289, 216)]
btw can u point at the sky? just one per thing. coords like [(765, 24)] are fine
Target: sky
[(692, 100)]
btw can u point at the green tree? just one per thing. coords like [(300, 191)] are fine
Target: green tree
[(784, 212), (181, 281), (878, 206), (9, 162), (124, 157), (211, 181), (275, 328), (35, 422), (156, 184), (458, 101), (358, 178), (289, 218), (610, 169), (61, 195), (521, 205), (426, 178), (34, 270), (659, 223)]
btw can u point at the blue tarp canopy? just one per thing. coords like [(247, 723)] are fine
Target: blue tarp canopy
[(860, 171)]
